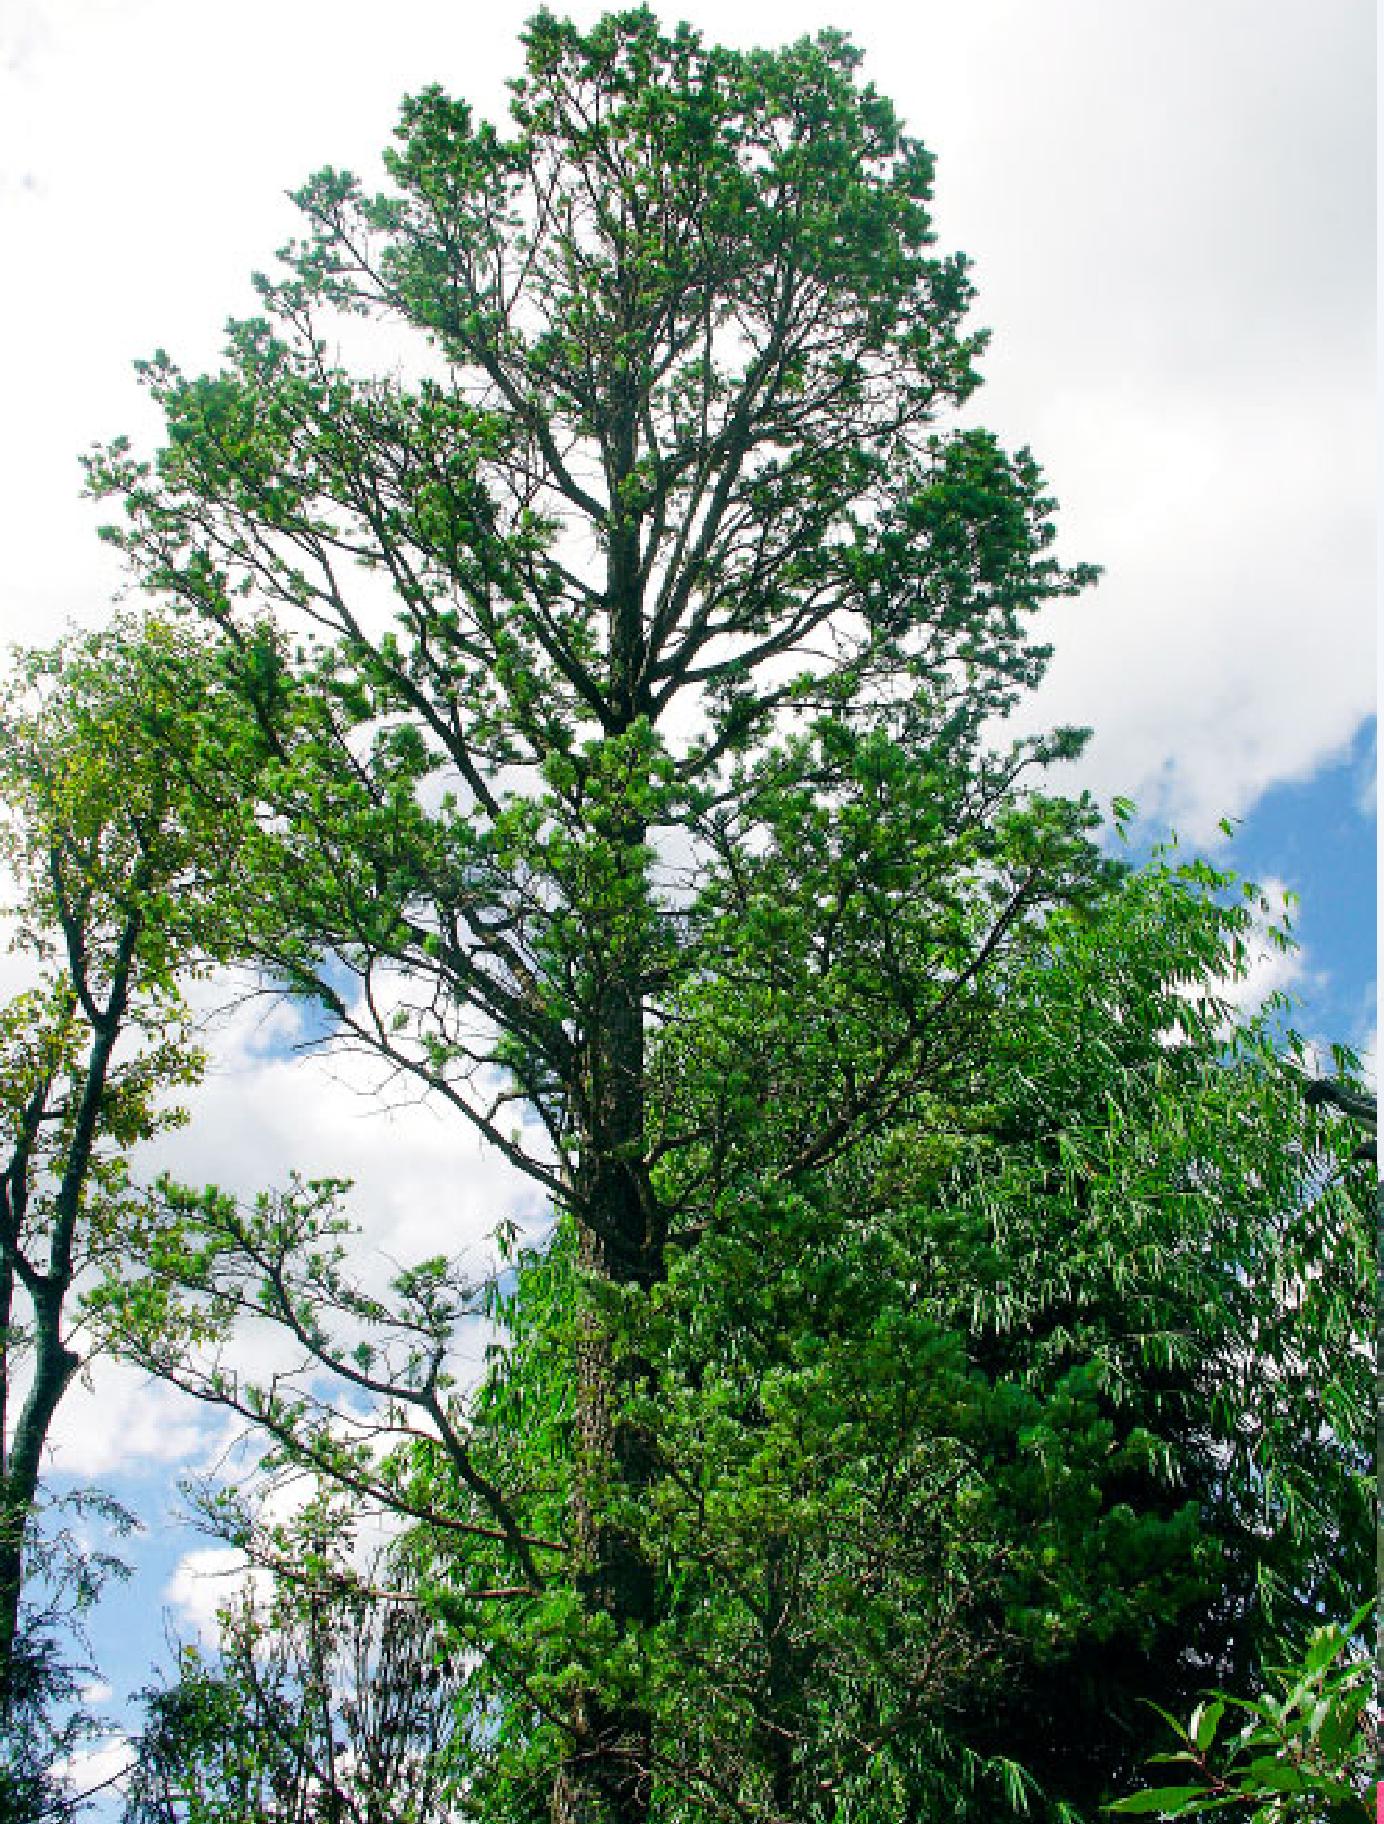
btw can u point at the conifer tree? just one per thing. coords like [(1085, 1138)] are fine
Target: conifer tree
[(639, 620)]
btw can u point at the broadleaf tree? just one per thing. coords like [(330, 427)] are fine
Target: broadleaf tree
[(642, 563), (1007, 1426), (966, 1450), (111, 909), (328, 1695)]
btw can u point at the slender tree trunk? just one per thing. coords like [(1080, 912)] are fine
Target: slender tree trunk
[(54, 1367), (784, 1679), (54, 1363), (6, 1358), (14, 1508)]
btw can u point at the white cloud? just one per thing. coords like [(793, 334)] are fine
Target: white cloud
[(422, 1185), (117, 1419), (1369, 1055), (1269, 967), (1171, 210), (98, 1766), (1367, 782), (211, 1578), (423, 1182), (1268, 971), (1209, 661)]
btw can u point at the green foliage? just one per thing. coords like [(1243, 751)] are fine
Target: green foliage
[(1300, 1751), (46, 1716), (107, 854), (322, 1699), (688, 312), (925, 1365), (43, 1725), (970, 1444)]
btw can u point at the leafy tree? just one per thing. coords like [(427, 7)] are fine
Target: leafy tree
[(1011, 1423), (46, 1720), (43, 1724), (326, 1698), (105, 856), (688, 589), (1167, 1217), (962, 1448)]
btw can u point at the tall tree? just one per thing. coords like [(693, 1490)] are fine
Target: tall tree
[(639, 555), (106, 856)]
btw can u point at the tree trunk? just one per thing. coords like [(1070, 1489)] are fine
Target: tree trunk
[(54, 1363), (786, 1673), (606, 1778), (54, 1367)]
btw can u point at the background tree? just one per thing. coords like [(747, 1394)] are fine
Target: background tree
[(329, 1696), (655, 548), (47, 1719), (107, 863)]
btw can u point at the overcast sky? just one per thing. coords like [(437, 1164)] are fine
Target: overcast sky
[(1170, 209)]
